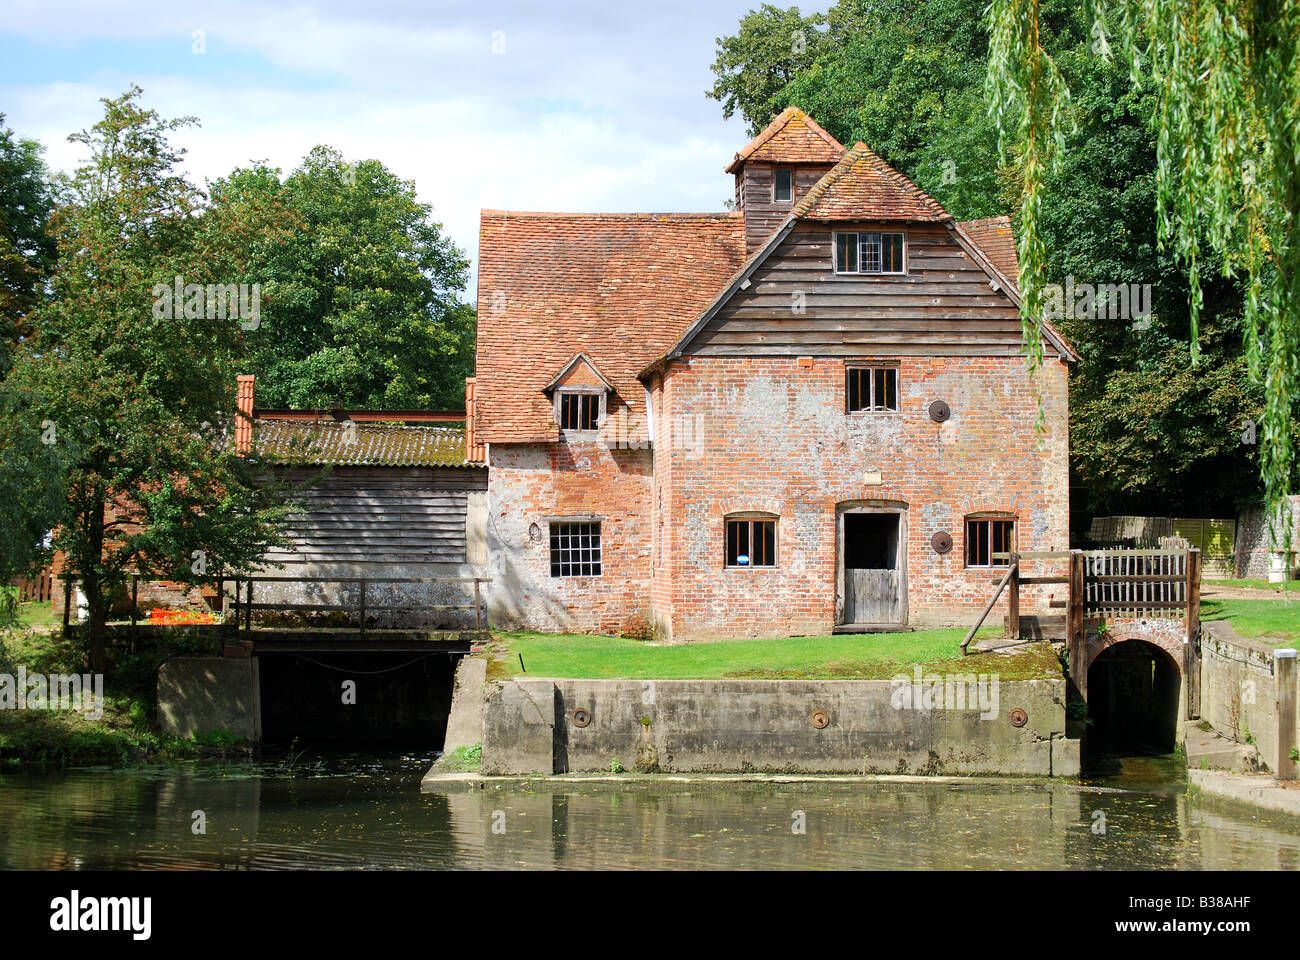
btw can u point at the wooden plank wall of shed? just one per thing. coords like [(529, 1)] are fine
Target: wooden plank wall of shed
[(382, 515), (942, 306), (763, 214)]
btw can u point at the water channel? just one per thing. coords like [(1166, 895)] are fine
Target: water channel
[(363, 809)]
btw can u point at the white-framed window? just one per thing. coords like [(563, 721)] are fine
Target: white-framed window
[(579, 410), (783, 186), (857, 252), (575, 548), (871, 388)]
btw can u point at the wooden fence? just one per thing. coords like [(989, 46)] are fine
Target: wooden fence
[(37, 589), (1135, 583), (1106, 583)]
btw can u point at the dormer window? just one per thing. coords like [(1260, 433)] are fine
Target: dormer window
[(783, 186), (580, 409), (869, 253), (579, 393)]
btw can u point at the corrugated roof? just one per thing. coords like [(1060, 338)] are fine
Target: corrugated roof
[(619, 287), (793, 137), (350, 443), (863, 187)]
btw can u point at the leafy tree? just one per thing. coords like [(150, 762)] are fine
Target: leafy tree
[(753, 67), (26, 248), (1225, 79), (364, 294), (140, 395)]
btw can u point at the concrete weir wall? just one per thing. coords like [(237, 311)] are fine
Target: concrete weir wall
[(714, 726), (1239, 693), (198, 695)]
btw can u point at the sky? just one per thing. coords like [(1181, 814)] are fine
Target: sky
[(596, 105)]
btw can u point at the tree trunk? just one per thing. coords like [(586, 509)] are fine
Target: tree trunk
[(92, 584), (96, 631)]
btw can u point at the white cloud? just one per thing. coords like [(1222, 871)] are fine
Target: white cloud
[(592, 107)]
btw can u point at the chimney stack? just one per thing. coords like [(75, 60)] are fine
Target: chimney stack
[(244, 413)]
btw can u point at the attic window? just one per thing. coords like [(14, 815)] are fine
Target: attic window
[(783, 186), (579, 409), (869, 253)]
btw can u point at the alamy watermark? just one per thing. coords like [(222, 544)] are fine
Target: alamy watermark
[(1100, 301), (211, 301), (952, 691), (83, 693)]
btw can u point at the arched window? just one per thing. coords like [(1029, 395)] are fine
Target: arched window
[(989, 537), (750, 540)]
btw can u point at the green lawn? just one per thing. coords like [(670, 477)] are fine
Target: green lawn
[(1258, 618), (847, 656), (1291, 586), (36, 614)]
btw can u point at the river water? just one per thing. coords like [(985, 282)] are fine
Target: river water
[(365, 811)]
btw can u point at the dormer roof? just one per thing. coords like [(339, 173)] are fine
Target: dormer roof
[(861, 186), (793, 137), (580, 371)]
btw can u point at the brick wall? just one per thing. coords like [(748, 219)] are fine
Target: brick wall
[(535, 483), (770, 434)]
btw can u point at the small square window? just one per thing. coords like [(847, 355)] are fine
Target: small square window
[(872, 389), (579, 411), (751, 543), (575, 549), (985, 538), (783, 186)]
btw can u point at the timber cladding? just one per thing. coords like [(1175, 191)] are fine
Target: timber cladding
[(381, 515), (796, 304), (763, 214)]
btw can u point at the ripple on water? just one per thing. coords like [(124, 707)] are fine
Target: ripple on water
[(357, 812)]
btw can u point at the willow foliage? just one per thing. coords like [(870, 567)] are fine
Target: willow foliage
[(1226, 76)]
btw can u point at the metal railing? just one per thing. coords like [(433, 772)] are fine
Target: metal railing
[(245, 602)]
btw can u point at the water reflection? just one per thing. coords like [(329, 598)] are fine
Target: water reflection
[(350, 813)]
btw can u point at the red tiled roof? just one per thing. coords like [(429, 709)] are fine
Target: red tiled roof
[(620, 287), (993, 235), (793, 137), (863, 187)]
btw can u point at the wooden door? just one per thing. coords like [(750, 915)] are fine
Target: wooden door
[(872, 596), (874, 586)]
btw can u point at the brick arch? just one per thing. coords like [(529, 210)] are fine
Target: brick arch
[(725, 508), (1097, 644)]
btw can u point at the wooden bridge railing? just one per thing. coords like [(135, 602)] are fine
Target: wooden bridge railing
[(1117, 583), (245, 602)]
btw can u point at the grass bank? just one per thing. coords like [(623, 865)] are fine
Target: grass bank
[(127, 732), (838, 657), (1278, 619)]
